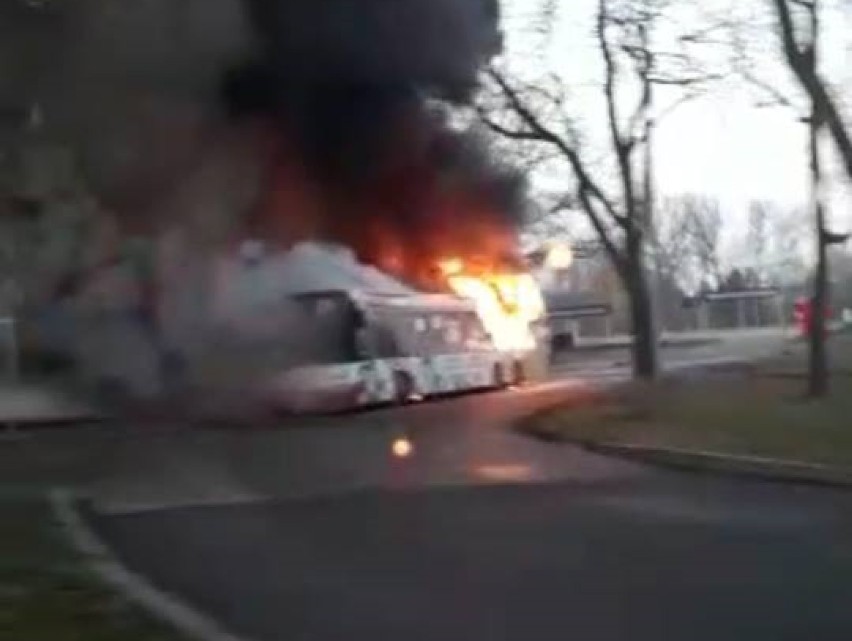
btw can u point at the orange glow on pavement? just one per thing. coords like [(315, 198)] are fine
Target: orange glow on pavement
[(402, 447)]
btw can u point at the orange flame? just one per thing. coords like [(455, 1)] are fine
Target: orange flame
[(451, 266), (508, 303)]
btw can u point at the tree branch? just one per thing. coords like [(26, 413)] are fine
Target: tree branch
[(621, 148), (684, 82), (644, 63), (813, 84), (512, 134), (544, 134), (617, 257), (777, 97), (686, 97), (610, 71), (795, 56)]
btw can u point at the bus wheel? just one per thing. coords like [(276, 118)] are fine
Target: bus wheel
[(499, 377), (404, 387)]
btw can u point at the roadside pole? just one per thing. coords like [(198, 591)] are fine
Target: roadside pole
[(13, 364)]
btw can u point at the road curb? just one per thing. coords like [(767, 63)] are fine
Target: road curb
[(664, 342), (97, 554), (768, 469), (29, 423)]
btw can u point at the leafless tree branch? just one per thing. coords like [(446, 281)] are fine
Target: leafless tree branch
[(799, 60), (621, 146), (513, 134), (543, 133), (684, 82), (619, 260)]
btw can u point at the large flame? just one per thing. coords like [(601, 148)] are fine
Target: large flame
[(508, 303)]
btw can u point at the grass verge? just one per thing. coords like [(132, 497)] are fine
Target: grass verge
[(757, 411), (46, 590)]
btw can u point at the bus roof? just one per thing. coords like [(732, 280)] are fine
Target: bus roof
[(424, 302), (416, 301)]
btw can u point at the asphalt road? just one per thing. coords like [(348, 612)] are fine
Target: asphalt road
[(461, 441), (653, 556), (318, 532)]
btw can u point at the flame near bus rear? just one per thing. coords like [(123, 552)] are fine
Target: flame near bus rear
[(508, 303)]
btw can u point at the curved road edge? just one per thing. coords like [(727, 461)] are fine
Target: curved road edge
[(768, 469), (183, 617)]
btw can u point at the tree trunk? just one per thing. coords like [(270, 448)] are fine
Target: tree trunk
[(818, 365), (645, 357)]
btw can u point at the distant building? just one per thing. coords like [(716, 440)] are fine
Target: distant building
[(581, 298)]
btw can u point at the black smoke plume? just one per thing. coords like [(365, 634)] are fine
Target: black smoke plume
[(351, 88)]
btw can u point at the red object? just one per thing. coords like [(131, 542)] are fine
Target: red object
[(803, 316)]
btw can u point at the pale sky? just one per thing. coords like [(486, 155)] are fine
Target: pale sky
[(719, 145)]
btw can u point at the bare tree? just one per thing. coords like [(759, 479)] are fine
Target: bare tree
[(798, 24), (800, 52), (619, 210), (801, 48)]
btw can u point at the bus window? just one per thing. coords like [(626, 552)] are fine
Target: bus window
[(325, 307), (386, 344), (377, 338), (453, 334), (330, 329)]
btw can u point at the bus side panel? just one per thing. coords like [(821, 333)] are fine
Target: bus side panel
[(459, 372), (415, 374), (442, 374), (377, 381), (322, 388)]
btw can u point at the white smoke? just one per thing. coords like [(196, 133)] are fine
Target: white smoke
[(232, 323)]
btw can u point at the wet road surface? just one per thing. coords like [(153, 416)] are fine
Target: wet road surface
[(653, 556)]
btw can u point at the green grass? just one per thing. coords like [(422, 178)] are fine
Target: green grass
[(48, 594), (758, 411)]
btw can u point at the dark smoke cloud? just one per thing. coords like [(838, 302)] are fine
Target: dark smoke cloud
[(351, 86), (340, 73), (425, 43), (206, 121)]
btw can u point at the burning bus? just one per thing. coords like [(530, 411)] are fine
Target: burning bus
[(379, 348), (362, 152), (359, 337)]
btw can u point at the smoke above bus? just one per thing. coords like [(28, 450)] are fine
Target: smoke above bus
[(352, 102)]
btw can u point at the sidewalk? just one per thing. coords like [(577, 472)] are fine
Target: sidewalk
[(29, 404), (687, 338)]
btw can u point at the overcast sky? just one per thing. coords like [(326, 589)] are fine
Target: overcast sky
[(720, 144)]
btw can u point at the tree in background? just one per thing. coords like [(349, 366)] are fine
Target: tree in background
[(773, 246), (688, 243), (686, 253)]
